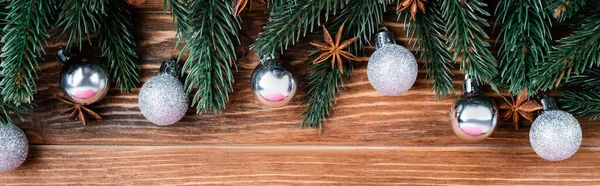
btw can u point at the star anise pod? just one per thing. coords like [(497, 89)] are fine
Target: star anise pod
[(239, 6), (414, 5), (335, 50), (519, 107), (78, 111)]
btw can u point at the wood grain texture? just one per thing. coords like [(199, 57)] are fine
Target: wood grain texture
[(316, 165), (361, 117), (371, 139)]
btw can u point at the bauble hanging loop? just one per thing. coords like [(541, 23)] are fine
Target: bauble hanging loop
[(473, 116), (555, 135), (392, 69), (384, 37), (14, 147), (163, 100), (273, 83)]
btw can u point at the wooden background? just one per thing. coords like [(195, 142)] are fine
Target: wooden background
[(371, 140)]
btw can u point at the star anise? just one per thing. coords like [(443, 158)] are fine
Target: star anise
[(78, 111), (239, 6), (521, 107), (335, 50), (414, 5)]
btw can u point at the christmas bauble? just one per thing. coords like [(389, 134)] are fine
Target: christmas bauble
[(13, 147), (84, 81), (163, 100), (273, 83), (473, 116), (392, 69), (555, 135)]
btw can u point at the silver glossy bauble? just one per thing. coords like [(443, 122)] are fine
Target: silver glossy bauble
[(83, 81), (163, 100), (273, 84), (13, 147), (473, 116), (392, 69), (555, 135)]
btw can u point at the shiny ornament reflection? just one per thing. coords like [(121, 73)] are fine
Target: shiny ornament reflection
[(392, 69), (83, 81), (273, 84), (473, 116), (555, 135)]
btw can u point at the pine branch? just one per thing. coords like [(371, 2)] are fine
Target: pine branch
[(323, 79), (324, 84), (274, 5), (24, 39), (181, 17), (565, 9), (426, 33), (6, 107), (293, 20), (526, 40), (118, 45), (360, 18), (587, 80), (573, 55), (3, 22), (80, 19), (582, 103), (211, 54), (464, 32)]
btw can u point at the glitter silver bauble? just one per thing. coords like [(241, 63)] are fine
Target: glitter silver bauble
[(163, 100), (392, 69), (473, 116), (555, 135), (273, 84), (13, 147), (83, 81)]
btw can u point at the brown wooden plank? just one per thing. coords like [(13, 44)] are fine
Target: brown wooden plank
[(362, 116), (285, 165)]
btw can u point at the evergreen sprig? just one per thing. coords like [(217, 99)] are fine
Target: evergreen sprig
[(292, 20), (427, 34), (117, 44), (360, 18), (464, 32), (24, 40), (525, 37), (3, 22), (273, 5), (7, 107), (565, 9), (574, 55), (211, 54), (181, 17), (588, 80), (324, 83), (80, 19), (582, 103)]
